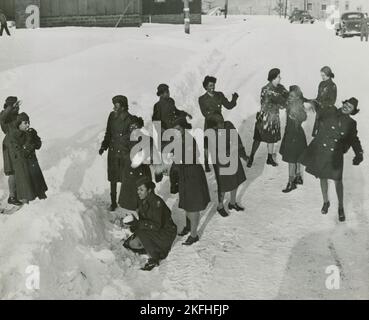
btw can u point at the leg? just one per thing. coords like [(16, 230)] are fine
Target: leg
[(221, 200), (339, 191), (12, 187), (270, 159), (7, 30), (1, 30), (233, 205), (194, 217), (233, 197), (324, 188), (255, 147), (113, 195), (187, 227), (291, 185)]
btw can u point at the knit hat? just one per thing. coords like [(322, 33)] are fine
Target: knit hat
[(20, 118), (207, 80), (10, 101), (328, 71), (162, 88), (122, 100), (273, 74), (353, 101)]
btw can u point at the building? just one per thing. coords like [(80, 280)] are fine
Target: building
[(323, 8), (58, 13), (170, 11)]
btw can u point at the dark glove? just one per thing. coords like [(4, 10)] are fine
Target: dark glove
[(101, 151), (235, 96), (358, 159)]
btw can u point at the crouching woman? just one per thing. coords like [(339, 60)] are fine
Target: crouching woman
[(29, 179), (155, 230)]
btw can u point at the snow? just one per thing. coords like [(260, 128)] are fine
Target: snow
[(279, 248)]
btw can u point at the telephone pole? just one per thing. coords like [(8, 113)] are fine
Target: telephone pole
[(186, 10), (226, 9)]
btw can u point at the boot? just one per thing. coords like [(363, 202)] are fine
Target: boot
[(151, 264), (190, 241), (223, 212), (298, 180), (14, 201), (186, 230), (341, 215), (113, 205), (290, 187), (251, 161), (325, 208), (235, 207), (270, 161)]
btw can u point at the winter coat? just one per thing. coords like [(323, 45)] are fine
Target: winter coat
[(29, 179), (294, 140), (128, 198), (268, 124), (327, 97), (7, 122), (364, 28), (155, 229), (166, 111), (231, 182), (211, 105), (192, 184), (337, 133), (116, 139), (2, 18)]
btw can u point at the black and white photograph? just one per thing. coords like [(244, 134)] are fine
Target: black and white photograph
[(184, 150)]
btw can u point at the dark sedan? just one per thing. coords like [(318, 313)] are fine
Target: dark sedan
[(349, 24)]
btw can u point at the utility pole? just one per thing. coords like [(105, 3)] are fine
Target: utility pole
[(225, 9), (186, 10), (285, 9)]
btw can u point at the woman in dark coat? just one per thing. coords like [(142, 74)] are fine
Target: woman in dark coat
[(29, 179), (227, 182), (268, 125), (116, 140), (3, 24), (128, 198), (155, 230), (327, 94), (192, 184), (211, 103), (294, 139), (8, 118), (324, 156)]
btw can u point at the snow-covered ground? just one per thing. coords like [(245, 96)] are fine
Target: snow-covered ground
[(279, 248)]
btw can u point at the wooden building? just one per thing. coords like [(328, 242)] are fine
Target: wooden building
[(170, 11)]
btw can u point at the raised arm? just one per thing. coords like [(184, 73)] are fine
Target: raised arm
[(229, 104)]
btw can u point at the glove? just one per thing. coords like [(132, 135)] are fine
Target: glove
[(101, 151), (358, 159), (235, 96)]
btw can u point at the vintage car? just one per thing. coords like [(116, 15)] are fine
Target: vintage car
[(349, 24), (301, 16)]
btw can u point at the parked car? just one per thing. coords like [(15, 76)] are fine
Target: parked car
[(349, 24), (301, 16)]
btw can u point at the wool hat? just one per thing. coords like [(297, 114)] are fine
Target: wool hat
[(207, 80), (122, 100), (145, 181), (328, 71), (162, 88), (273, 74), (20, 118)]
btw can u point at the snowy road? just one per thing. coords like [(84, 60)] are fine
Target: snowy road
[(279, 248)]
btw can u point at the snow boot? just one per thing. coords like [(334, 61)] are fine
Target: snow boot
[(235, 207), (14, 201), (190, 241), (325, 208), (223, 212), (290, 187), (341, 215), (270, 161), (298, 180), (151, 264)]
